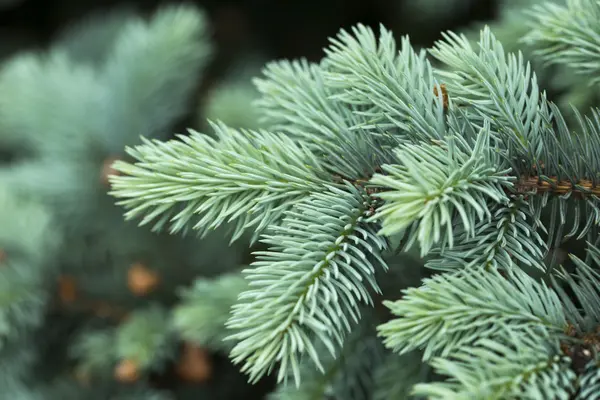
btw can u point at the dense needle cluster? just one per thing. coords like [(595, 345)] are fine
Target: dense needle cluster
[(366, 172)]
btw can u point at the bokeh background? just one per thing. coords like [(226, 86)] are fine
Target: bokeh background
[(277, 29)]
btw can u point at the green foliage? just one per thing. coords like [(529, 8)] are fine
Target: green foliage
[(513, 28), (366, 152), (569, 35), (590, 383), (495, 242), (145, 338), (26, 245), (85, 109), (233, 100), (308, 285), (94, 352), (500, 88), (519, 366), (34, 83), (586, 287), (201, 315), (296, 100), (350, 375), (451, 311), (151, 66), (91, 39), (463, 181), (64, 112), (396, 376), (245, 177), (395, 93)]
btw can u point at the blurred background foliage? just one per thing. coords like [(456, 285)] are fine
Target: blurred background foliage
[(278, 29)]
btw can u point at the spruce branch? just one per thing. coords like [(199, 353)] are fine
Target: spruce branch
[(431, 184), (151, 67), (296, 99), (350, 375), (521, 366), (568, 35), (91, 39), (308, 286), (28, 231), (453, 310), (556, 186), (141, 85), (393, 90), (463, 167), (243, 176), (500, 88), (584, 313), (22, 301), (570, 165), (503, 241), (40, 93), (570, 160), (29, 244)]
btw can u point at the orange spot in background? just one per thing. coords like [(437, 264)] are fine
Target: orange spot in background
[(195, 364), (67, 289), (141, 280)]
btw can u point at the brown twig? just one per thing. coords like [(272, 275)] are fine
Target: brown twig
[(534, 184)]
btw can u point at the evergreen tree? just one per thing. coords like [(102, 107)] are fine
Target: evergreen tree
[(93, 306), (414, 217)]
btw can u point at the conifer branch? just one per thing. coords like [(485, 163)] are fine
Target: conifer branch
[(296, 100), (174, 43), (94, 351), (249, 178), (583, 312), (308, 286), (350, 375), (542, 184), (498, 87), (372, 145), (460, 182), (145, 337), (568, 34), (518, 366), (489, 305), (498, 243), (589, 382), (393, 90)]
